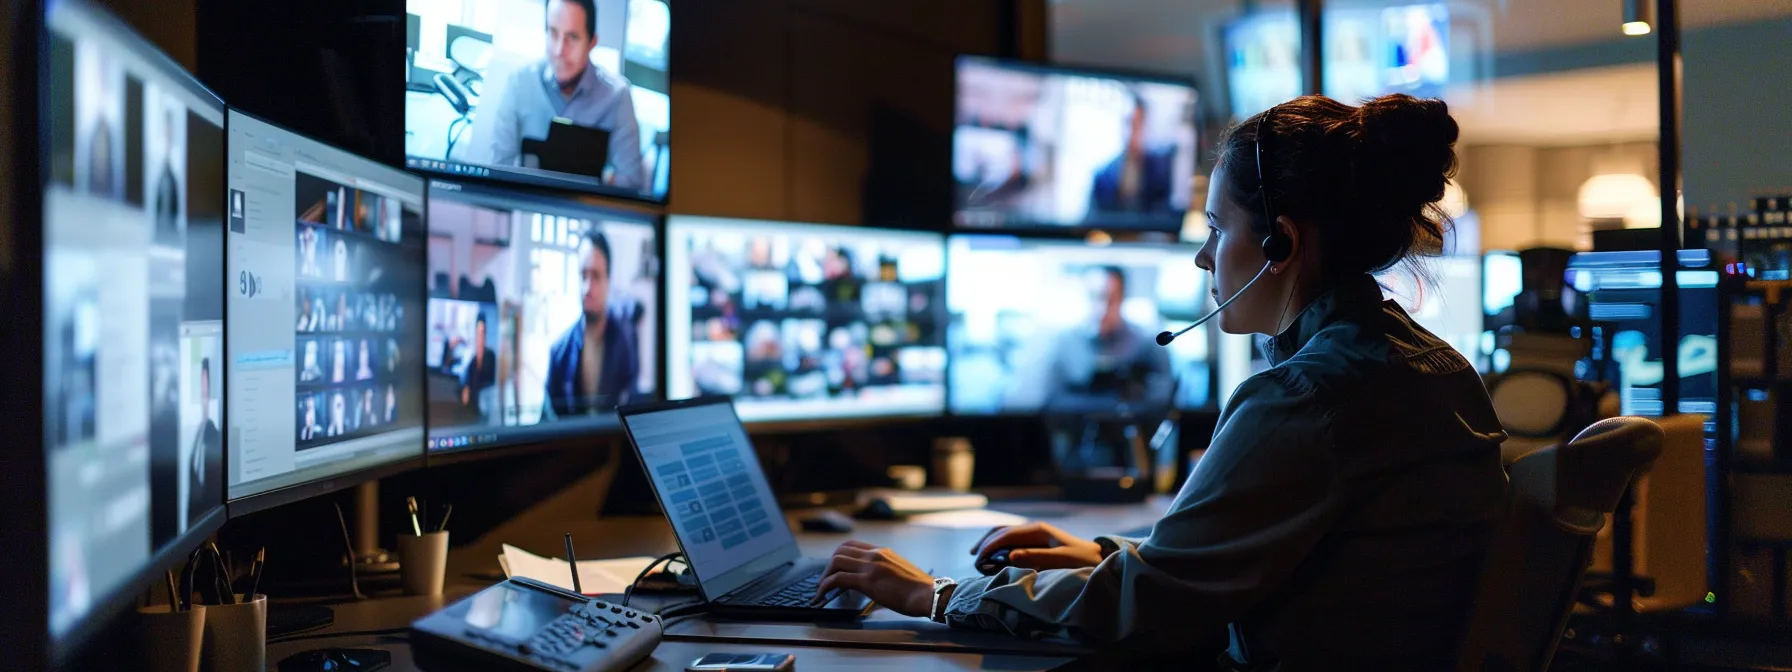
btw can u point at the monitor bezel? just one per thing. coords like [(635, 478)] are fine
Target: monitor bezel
[(279, 496), (636, 211), (481, 173), (1031, 227), (25, 301), (795, 425)]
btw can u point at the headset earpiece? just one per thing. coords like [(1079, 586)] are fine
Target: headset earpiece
[(1277, 247)]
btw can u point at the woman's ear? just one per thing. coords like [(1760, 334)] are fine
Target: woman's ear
[(1292, 232)]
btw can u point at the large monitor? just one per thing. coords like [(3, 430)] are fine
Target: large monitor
[(543, 316), (325, 335), (133, 214), (1370, 51), (1037, 146), (563, 93), (803, 322), (1067, 327), (1624, 288)]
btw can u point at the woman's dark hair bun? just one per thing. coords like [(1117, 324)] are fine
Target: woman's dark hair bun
[(1407, 149)]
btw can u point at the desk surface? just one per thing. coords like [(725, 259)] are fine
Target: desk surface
[(883, 641)]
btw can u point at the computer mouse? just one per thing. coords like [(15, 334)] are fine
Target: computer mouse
[(827, 520), (996, 562), (337, 660)]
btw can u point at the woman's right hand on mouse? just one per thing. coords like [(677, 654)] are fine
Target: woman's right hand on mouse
[(1038, 546)]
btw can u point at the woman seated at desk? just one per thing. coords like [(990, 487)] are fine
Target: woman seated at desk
[(1339, 519)]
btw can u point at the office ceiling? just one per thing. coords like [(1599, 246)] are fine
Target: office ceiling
[(1616, 103)]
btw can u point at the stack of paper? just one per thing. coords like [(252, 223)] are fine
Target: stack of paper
[(596, 577)]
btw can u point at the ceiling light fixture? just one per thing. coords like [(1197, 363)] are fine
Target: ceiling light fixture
[(1638, 16)]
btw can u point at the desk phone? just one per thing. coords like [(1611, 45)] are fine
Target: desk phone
[(527, 626)]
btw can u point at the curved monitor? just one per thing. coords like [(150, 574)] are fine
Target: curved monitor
[(570, 94), (133, 214), (1059, 326), (326, 316), (543, 316), (805, 322), (1037, 146)]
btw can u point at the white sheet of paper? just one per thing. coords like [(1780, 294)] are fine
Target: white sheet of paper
[(596, 577), (968, 518)]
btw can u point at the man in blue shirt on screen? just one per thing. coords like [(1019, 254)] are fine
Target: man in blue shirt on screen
[(593, 366), (568, 85)]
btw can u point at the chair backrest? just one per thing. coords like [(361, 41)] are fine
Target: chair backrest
[(1558, 499)]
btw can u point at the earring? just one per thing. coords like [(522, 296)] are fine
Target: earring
[(1275, 270)]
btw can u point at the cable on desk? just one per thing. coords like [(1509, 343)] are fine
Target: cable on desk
[(388, 632), (668, 558)]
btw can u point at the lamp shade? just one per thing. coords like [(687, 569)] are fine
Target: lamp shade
[(1614, 195)]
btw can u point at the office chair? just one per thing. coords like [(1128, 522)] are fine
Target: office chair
[(1538, 400), (1558, 500), (471, 54)]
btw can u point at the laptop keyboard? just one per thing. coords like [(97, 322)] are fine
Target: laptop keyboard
[(797, 594)]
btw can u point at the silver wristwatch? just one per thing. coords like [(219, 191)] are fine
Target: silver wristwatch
[(940, 584)]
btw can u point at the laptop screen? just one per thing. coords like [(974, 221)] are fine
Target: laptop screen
[(710, 483)]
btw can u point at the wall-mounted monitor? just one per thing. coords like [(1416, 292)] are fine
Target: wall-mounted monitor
[(543, 316), (325, 331), (571, 94), (1067, 327), (805, 322), (1369, 52), (133, 310), (1044, 147)]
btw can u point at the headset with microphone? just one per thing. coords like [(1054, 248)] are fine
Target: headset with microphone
[(1277, 246)]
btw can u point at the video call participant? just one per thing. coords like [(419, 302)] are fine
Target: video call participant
[(208, 449), (1098, 365), (309, 429), (1339, 518), (594, 366), (168, 227), (568, 85), (482, 369), (1139, 178)]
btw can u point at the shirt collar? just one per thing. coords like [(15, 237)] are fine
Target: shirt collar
[(587, 79), (1350, 297)]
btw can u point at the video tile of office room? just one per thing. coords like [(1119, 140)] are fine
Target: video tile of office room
[(540, 313), (477, 100)]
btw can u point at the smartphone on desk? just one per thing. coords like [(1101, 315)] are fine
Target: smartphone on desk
[(743, 662)]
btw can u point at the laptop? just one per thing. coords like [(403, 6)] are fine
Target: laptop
[(728, 523), (570, 148)]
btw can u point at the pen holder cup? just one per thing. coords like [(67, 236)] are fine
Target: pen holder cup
[(236, 635), (423, 562), (172, 639)]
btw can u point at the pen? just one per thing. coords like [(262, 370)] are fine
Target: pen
[(173, 593), (261, 557), (573, 562), (443, 525), (411, 503)]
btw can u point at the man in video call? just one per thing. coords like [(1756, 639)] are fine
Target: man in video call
[(309, 429), (566, 84), (168, 190), (482, 369), (592, 368), (1095, 365), (208, 449), (1138, 179)]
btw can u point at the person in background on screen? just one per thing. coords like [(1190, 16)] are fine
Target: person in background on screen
[(338, 415), (1138, 179), (482, 369), (391, 403), (308, 253), (168, 190), (342, 269), (568, 85), (368, 417), (99, 146), (208, 449), (364, 370), (310, 429), (1097, 365), (593, 367), (338, 361)]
